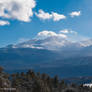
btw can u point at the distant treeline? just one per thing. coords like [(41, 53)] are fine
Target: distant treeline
[(36, 82)]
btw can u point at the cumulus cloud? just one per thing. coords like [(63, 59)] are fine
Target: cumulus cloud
[(75, 13), (67, 31), (46, 34), (17, 9), (58, 17), (3, 23), (43, 15), (54, 16)]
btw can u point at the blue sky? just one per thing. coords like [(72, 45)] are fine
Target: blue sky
[(20, 28)]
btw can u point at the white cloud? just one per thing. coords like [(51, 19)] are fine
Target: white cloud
[(73, 32), (54, 16), (3, 23), (75, 13), (58, 17), (67, 31), (43, 15), (17, 9), (21, 40), (46, 34)]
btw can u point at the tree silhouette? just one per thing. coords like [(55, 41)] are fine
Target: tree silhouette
[(36, 82), (1, 69)]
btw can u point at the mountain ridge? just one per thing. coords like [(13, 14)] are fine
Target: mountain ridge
[(43, 59)]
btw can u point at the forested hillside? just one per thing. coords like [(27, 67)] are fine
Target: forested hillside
[(36, 82)]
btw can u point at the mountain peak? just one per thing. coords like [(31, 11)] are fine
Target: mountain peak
[(52, 43)]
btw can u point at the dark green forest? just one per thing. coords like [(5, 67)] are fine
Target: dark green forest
[(36, 82)]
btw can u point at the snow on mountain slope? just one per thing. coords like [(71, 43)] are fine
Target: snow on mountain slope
[(86, 43), (53, 43)]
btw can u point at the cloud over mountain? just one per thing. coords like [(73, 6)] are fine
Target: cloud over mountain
[(50, 40), (46, 34)]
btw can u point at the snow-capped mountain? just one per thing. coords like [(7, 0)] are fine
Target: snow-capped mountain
[(52, 43), (49, 55)]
